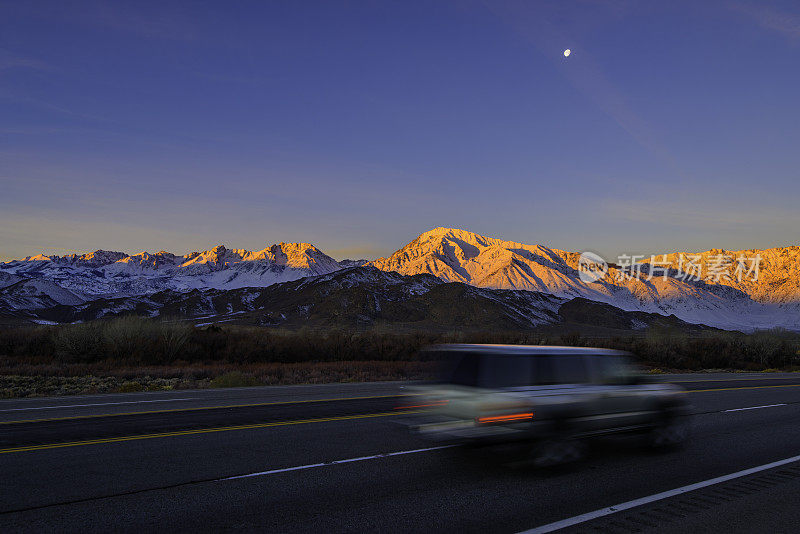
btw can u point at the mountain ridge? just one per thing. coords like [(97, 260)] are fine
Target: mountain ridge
[(105, 273), (452, 255), (462, 256), (366, 297)]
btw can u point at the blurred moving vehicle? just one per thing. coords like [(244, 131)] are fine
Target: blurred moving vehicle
[(550, 398)]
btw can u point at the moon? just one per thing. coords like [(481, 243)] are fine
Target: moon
[(567, 52)]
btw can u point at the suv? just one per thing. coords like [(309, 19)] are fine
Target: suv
[(549, 397)]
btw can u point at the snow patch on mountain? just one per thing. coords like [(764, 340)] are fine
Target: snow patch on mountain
[(36, 294), (8, 279)]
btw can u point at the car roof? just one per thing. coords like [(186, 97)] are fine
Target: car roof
[(526, 350)]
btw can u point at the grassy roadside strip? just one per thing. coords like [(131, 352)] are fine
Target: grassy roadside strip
[(76, 379), (88, 379)]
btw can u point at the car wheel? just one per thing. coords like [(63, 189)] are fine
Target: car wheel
[(670, 432), (555, 452)]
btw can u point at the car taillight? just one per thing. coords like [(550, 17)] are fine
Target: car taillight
[(506, 418)]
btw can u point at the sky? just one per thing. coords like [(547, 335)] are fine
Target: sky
[(356, 126)]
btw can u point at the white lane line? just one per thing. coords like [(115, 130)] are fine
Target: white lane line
[(335, 462), (97, 404), (754, 407), (564, 523)]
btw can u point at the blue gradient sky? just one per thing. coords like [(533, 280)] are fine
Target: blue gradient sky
[(358, 125)]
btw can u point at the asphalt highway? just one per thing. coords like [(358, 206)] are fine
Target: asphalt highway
[(332, 458)]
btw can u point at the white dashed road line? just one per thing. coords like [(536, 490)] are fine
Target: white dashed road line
[(336, 462), (754, 407)]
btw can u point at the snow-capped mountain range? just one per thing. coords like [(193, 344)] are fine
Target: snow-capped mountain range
[(104, 273), (453, 255), (460, 256)]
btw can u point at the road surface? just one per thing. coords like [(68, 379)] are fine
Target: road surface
[(332, 458)]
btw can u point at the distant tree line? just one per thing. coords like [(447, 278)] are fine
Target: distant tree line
[(132, 341)]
